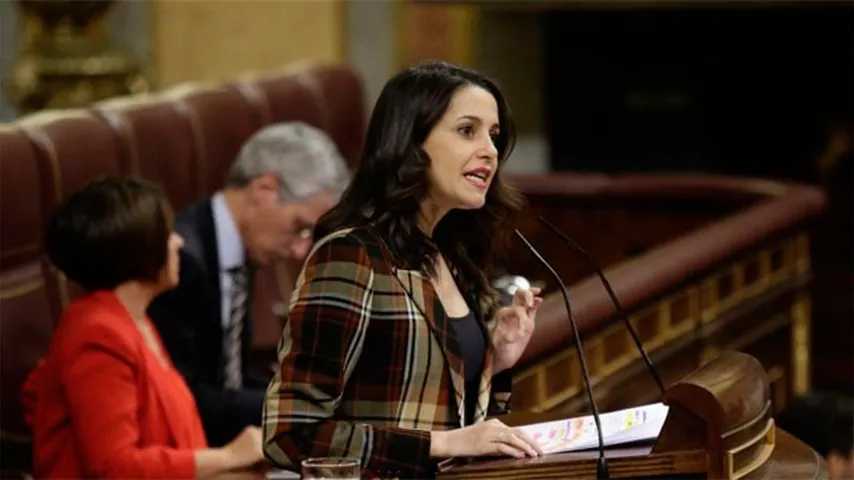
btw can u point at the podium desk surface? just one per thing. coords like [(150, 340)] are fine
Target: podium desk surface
[(791, 460)]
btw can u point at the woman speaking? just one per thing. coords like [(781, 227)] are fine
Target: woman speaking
[(395, 349)]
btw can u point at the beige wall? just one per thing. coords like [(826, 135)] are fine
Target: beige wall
[(436, 31), (216, 40)]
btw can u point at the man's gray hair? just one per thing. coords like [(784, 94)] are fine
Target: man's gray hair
[(304, 159)]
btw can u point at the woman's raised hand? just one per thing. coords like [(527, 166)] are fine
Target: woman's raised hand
[(513, 328), (491, 437)]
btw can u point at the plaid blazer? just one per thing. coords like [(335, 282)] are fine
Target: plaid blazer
[(368, 364)]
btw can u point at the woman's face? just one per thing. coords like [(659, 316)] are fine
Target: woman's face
[(461, 146)]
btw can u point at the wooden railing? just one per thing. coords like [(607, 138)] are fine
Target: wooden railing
[(728, 271)]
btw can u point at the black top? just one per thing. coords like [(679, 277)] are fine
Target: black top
[(472, 343)]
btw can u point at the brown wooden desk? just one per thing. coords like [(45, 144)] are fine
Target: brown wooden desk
[(792, 459)]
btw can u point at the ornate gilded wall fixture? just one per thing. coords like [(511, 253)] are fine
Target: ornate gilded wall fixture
[(66, 59)]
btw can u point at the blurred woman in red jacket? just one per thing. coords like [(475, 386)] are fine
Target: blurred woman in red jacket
[(106, 400)]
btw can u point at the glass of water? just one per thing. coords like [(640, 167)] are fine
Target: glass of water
[(328, 468)]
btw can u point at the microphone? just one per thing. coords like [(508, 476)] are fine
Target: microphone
[(602, 463), (617, 306)]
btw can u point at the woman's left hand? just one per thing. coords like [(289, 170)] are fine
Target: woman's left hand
[(514, 326)]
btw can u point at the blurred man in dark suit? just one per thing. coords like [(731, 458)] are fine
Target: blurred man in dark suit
[(284, 178)]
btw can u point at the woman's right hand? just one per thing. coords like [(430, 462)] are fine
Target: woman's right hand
[(245, 449), (242, 452), (491, 437)]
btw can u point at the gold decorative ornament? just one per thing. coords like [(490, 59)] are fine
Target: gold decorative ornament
[(66, 59)]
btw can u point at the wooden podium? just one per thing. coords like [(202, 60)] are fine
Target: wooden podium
[(719, 426)]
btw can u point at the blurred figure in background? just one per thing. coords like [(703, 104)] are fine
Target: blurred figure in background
[(284, 178), (106, 400)]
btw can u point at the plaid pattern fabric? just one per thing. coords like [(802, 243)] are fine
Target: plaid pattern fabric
[(368, 364)]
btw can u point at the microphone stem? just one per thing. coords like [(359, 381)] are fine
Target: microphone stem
[(617, 306), (602, 463), (652, 370)]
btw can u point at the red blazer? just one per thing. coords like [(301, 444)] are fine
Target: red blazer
[(102, 404)]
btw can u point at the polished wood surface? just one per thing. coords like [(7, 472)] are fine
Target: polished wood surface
[(719, 425), (723, 408), (699, 265), (791, 460), (629, 462)]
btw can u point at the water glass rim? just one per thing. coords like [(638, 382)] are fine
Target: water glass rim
[(327, 462)]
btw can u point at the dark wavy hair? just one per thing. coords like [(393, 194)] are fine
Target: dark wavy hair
[(391, 180), (113, 230)]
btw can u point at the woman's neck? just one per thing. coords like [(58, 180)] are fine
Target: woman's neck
[(136, 296)]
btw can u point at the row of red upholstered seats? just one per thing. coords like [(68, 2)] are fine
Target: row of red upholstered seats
[(184, 139)]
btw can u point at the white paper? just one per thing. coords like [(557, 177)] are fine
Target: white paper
[(621, 426)]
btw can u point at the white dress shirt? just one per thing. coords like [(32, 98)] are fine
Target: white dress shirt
[(230, 250)]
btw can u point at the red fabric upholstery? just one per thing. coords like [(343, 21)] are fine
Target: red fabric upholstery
[(289, 98), (80, 146), (27, 194), (328, 97), (30, 299), (345, 110), (159, 146), (29, 306), (221, 120)]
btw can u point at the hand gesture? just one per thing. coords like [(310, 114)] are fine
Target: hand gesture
[(513, 328), (245, 449), (491, 437)]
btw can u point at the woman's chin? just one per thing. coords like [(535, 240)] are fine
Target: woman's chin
[(475, 203)]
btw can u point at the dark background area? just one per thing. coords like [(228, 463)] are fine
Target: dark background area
[(754, 91), (739, 91)]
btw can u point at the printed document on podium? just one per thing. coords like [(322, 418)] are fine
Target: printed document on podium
[(618, 427)]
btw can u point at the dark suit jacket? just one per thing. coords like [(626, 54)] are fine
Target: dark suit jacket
[(369, 364), (189, 319)]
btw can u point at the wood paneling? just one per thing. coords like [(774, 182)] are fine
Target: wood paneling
[(220, 39)]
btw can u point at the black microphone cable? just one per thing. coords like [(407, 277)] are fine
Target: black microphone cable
[(602, 463)]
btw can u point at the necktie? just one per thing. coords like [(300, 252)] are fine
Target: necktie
[(232, 340)]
